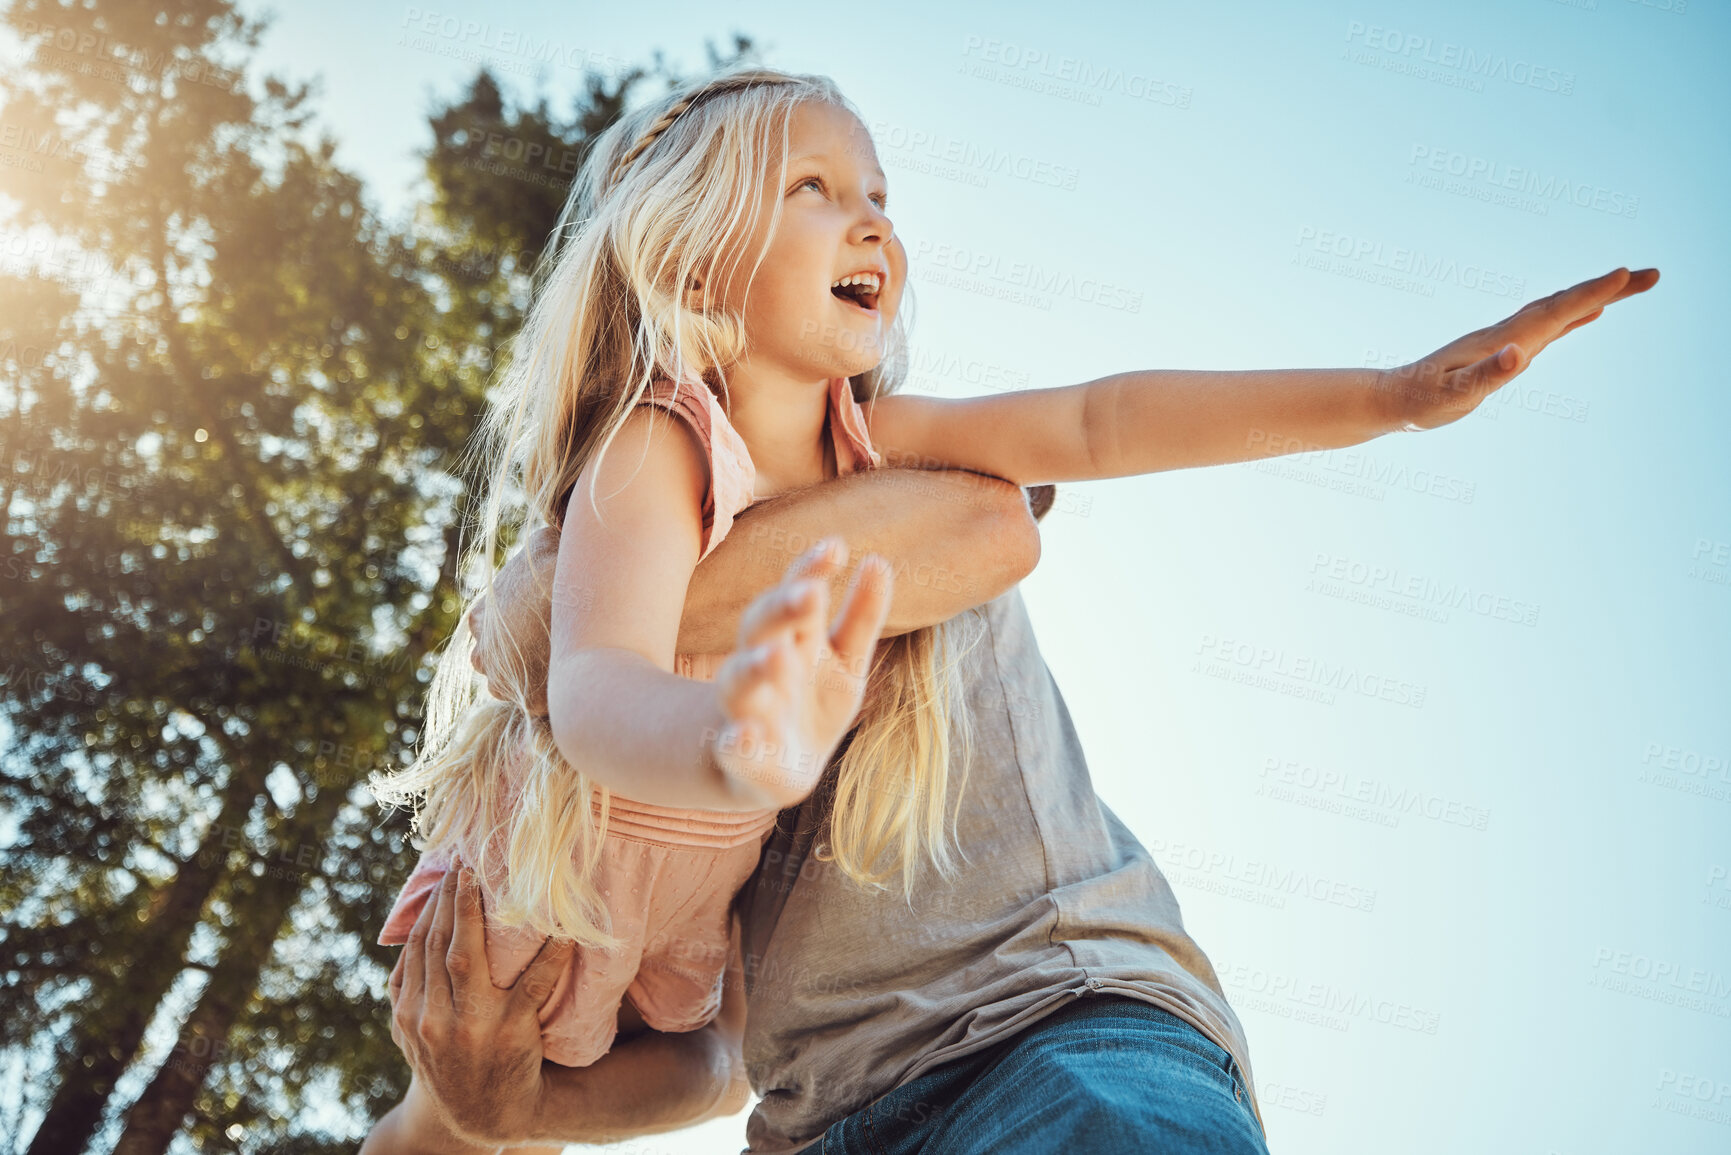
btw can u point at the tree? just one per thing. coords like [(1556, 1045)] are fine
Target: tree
[(233, 402)]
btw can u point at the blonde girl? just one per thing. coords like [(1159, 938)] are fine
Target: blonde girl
[(684, 356)]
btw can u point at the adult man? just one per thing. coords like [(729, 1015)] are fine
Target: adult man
[(1046, 999)]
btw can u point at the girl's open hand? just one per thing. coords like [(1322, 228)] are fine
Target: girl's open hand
[(794, 685), (1450, 383)]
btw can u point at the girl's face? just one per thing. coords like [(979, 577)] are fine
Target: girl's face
[(832, 226)]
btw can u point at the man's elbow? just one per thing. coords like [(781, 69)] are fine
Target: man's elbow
[(1012, 533), (725, 1075), (735, 1099)]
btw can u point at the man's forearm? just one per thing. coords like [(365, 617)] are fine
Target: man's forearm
[(954, 539), (645, 1085)]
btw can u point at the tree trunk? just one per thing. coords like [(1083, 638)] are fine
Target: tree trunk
[(106, 1043), (152, 1121)]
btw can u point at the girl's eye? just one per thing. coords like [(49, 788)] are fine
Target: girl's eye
[(882, 199)]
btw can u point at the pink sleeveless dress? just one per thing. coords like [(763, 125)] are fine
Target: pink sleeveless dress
[(668, 875)]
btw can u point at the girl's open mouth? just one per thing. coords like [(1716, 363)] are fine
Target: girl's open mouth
[(861, 293), (863, 304)]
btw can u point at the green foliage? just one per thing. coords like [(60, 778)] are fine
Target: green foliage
[(233, 403)]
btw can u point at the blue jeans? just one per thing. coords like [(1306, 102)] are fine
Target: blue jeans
[(1104, 1076)]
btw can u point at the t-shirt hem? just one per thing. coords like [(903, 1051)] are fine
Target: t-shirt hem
[(1057, 1000)]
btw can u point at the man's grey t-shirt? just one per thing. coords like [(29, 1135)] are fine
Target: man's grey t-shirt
[(851, 994)]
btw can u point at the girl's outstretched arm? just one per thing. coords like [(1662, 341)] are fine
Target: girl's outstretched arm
[(1144, 422)]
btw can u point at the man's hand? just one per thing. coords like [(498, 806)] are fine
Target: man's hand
[(476, 1047), (1450, 383)]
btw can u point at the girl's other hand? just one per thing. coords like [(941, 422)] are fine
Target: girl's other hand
[(1451, 382), (795, 684)]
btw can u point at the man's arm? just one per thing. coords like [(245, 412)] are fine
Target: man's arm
[(476, 1048), (654, 1082), (955, 539), (646, 1085)]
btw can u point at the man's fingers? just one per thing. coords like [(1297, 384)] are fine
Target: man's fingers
[(413, 960), (1593, 316), (435, 980), (398, 1010), (408, 999), (469, 935), (535, 985)]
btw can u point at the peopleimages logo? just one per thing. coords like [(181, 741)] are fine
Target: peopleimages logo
[(448, 33), (1276, 879), (1470, 63), (1283, 993), (1390, 587), (1024, 275), (1299, 675), (1387, 801), (1071, 77), (1662, 980), (1544, 188), (1423, 268), (965, 155)]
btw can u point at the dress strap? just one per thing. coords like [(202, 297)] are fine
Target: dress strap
[(853, 445), (732, 476)]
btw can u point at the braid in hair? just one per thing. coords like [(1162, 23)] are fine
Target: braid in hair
[(735, 82)]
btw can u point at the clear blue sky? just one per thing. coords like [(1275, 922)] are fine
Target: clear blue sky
[(1529, 946)]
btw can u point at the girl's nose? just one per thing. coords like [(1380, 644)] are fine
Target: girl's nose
[(874, 225)]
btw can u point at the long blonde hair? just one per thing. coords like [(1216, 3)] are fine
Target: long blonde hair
[(659, 194)]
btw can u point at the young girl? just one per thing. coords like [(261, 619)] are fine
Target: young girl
[(627, 817)]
